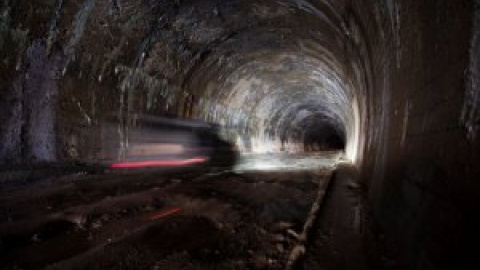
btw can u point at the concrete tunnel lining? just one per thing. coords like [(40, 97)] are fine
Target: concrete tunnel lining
[(395, 80), (256, 69), (265, 89)]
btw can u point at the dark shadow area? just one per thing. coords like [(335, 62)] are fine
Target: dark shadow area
[(323, 138)]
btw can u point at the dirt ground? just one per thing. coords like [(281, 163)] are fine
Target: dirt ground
[(152, 220)]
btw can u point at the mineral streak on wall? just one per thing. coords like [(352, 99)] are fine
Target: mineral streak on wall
[(393, 82)]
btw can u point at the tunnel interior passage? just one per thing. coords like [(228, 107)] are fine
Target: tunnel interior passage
[(392, 82), (320, 135), (278, 85), (279, 75)]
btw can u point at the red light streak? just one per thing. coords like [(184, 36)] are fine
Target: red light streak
[(166, 213), (158, 163)]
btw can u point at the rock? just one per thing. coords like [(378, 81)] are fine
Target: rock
[(280, 248), (272, 261), (282, 226), (176, 181), (279, 238), (353, 185), (149, 208), (105, 218), (96, 225), (293, 233), (76, 218), (261, 262), (297, 252), (35, 238)]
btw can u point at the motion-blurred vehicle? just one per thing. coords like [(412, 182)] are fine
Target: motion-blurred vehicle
[(153, 141)]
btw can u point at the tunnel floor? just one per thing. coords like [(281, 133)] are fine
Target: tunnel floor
[(180, 220), (288, 161)]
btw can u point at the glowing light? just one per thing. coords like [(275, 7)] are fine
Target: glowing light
[(155, 149), (159, 163), (288, 162), (166, 213), (354, 140)]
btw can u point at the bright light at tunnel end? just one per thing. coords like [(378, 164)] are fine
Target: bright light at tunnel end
[(354, 139)]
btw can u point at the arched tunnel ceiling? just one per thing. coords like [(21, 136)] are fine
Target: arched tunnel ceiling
[(265, 75), (270, 71), (263, 68)]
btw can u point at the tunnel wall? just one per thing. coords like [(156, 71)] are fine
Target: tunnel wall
[(65, 66), (410, 66), (134, 56), (422, 150)]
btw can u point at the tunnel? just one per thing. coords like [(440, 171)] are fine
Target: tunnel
[(390, 85)]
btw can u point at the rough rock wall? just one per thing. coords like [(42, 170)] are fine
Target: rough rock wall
[(249, 65), (13, 41), (29, 101), (40, 91), (65, 65), (421, 163)]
